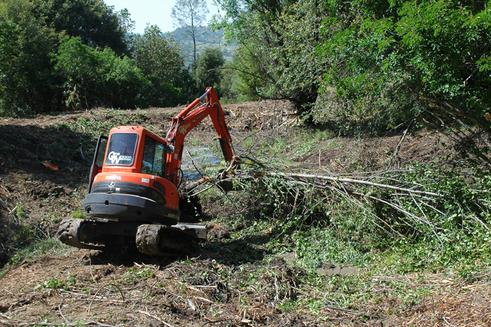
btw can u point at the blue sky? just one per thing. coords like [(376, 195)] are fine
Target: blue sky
[(155, 12)]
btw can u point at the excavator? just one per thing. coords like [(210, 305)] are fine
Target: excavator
[(134, 182)]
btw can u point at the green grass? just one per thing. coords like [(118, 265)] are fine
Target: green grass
[(78, 214), (285, 149), (134, 275), (37, 249)]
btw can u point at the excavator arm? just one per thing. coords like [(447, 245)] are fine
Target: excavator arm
[(206, 105)]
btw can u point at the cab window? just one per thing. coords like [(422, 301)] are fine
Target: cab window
[(153, 157), (121, 151)]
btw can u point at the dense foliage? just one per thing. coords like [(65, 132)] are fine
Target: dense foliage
[(372, 64), (388, 62), (352, 65), (26, 42), (98, 77), (161, 62), (93, 21), (63, 54), (208, 68), (276, 56)]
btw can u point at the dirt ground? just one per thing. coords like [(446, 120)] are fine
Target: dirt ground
[(227, 283)]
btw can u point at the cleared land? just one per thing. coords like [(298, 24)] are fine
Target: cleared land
[(246, 274)]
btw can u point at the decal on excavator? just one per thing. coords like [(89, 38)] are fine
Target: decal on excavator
[(116, 158), (113, 177)]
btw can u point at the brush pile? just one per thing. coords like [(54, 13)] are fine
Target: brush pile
[(421, 201)]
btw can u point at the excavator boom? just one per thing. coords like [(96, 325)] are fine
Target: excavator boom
[(204, 106)]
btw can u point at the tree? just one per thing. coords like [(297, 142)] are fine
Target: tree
[(27, 84), (30, 34), (161, 61), (98, 77), (208, 68), (96, 23), (276, 56), (190, 14), (393, 61)]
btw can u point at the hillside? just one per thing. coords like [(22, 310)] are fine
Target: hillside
[(206, 38), (254, 270)]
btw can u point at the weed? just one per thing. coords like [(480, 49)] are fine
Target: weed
[(288, 305), (319, 246), (20, 212), (53, 284), (79, 214), (134, 275), (58, 284), (308, 143), (37, 249), (71, 280)]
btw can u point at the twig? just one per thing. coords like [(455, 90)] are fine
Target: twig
[(352, 181), (62, 315), (155, 317), (82, 153), (399, 144), (194, 163)]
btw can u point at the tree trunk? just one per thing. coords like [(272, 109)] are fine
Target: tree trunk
[(193, 34)]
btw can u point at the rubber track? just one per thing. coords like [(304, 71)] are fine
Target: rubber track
[(68, 234), (148, 239)]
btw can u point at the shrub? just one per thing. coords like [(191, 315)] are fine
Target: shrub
[(391, 62), (208, 69), (98, 77)]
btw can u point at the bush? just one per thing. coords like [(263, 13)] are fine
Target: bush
[(391, 62), (208, 69), (94, 77)]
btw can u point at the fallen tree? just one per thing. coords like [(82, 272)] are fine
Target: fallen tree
[(405, 203)]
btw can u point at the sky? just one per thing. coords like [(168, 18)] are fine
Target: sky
[(154, 12)]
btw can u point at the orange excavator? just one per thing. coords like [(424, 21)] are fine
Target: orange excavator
[(133, 194)]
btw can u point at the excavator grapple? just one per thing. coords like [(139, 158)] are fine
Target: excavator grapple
[(133, 195)]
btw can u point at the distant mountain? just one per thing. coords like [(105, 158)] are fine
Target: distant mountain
[(205, 38)]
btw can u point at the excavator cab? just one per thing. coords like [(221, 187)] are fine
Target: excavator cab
[(131, 184)]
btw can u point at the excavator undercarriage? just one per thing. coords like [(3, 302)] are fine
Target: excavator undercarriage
[(149, 239)]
